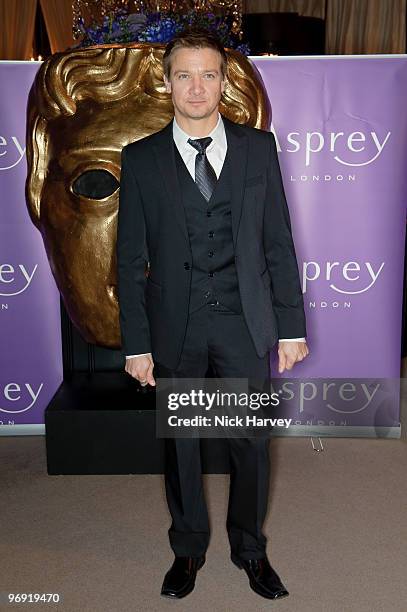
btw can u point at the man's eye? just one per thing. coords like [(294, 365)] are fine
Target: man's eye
[(210, 76), (95, 184), (181, 76)]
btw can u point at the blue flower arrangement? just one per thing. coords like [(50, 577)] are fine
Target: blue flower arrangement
[(160, 27)]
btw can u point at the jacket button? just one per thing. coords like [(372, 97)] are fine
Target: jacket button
[(210, 254), (211, 234), (210, 274), (186, 265)]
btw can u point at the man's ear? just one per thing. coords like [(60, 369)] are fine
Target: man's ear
[(223, 85), (167, 84)]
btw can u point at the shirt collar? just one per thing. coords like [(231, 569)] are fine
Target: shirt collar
[(181, 137)]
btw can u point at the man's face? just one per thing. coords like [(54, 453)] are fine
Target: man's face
[(196, 82)]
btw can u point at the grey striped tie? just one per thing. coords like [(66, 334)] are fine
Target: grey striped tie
[(205, 176)]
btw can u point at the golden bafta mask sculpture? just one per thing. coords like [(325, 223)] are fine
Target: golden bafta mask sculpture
[(84, 106)]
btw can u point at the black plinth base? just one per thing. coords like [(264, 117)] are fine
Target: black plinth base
[(104, 423)]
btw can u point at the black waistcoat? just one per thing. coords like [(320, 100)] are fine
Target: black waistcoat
[(214, 276)]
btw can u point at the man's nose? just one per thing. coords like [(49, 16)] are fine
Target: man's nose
[(196, 84)]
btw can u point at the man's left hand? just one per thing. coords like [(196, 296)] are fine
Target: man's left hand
[(289, 353)]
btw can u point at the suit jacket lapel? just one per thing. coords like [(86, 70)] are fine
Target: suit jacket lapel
[(164, 151), (237, 152), (237, 142)]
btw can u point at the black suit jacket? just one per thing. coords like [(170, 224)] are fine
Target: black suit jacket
[(152, 228)]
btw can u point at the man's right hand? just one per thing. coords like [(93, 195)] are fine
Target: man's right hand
[(141, 368)]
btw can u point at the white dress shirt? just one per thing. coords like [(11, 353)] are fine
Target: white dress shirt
[(216, 153)]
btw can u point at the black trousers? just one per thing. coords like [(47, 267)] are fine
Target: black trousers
[(218, 337)]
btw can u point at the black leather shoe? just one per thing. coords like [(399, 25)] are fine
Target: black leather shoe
[(180, 578), (263, 579)]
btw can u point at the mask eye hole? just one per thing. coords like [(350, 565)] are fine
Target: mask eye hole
[(95, 184)]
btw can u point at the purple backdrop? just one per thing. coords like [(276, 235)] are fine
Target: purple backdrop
[(30, 354), (341, 131)]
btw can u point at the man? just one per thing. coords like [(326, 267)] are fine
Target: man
[(202, 201)]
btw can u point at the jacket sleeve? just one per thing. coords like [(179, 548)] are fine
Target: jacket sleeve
[(288, 303), (132, 258)]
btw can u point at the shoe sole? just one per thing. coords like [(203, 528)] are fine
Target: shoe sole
[(265, 594)]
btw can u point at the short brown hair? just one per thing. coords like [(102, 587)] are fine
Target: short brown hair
[(196, 38)]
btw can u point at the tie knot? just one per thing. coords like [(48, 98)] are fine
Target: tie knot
[(200, 144)]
